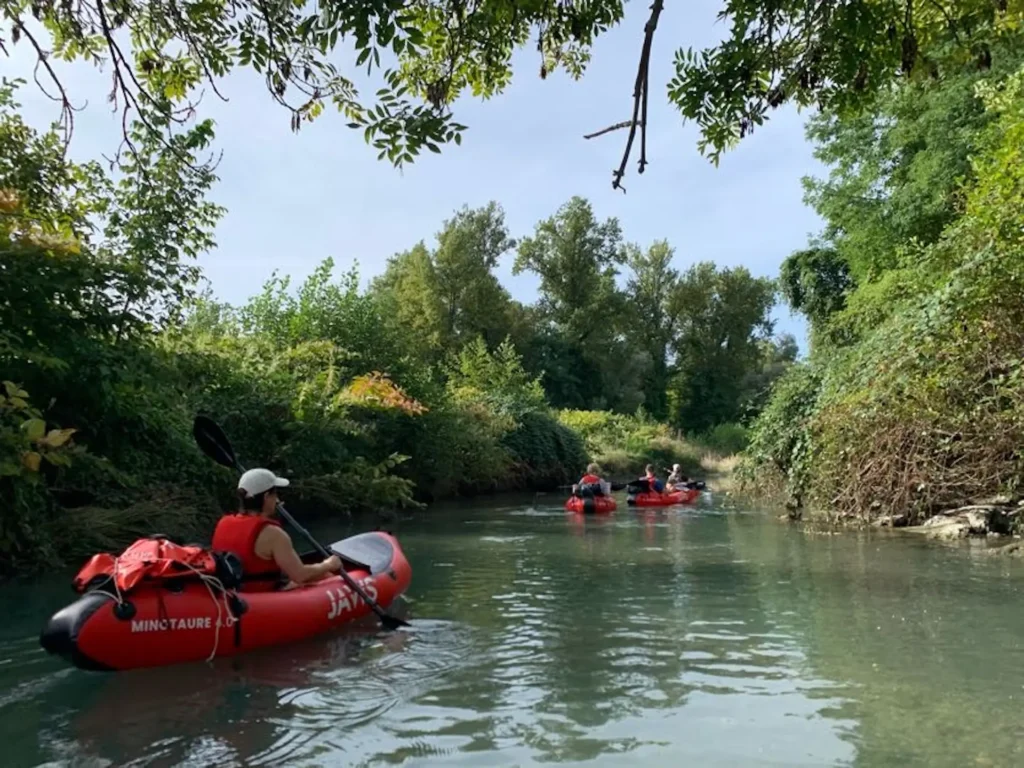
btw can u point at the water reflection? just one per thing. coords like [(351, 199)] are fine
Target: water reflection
[(265, 707), (601, 637), (687, 635), (927, 639)]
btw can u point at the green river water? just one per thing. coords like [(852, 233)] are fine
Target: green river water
[(710, 635)]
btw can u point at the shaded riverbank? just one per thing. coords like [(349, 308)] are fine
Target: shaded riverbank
[(710, 634)]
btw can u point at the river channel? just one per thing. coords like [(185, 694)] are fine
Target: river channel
[(705, 635)]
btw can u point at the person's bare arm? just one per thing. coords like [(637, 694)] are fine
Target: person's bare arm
[(280, 548)]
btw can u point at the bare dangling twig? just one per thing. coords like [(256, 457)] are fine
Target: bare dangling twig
[(609, 129), (67, 111), (640, 90)]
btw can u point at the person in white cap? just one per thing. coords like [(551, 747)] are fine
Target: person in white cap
[(676, 479), (259, 541)]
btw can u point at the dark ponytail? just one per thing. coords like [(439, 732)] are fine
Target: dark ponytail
[(248, 503)]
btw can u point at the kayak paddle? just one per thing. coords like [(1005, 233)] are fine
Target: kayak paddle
[(215, 444)]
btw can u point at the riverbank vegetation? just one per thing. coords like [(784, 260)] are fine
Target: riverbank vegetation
[(912, 401), (433, 380), (430, 381)]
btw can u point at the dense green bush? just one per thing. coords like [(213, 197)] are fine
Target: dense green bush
[(30, 456), (778, 458), (482, 425), (544, 451), (914, 399)]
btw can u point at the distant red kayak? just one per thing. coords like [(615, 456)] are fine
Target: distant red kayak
[(654, 499), (191, 621), (594, 505)]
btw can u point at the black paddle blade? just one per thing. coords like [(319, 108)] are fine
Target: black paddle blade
[(213, 442), (393, 622)]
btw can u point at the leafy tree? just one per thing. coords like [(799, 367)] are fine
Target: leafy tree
[(408, 288), (897, 170), (90, 267), (497, 379), (834, 54), (896, 182), (778, 354), (577, 259), (650, 291), (723, 314), (468, 249), (86, 261), (913, 405), (142, 232), (568, 376), (784, 349), (165, 54), (356, 323), (815, 282), (451, 295)]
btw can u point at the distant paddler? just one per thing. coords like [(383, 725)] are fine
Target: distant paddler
[(592, 484)]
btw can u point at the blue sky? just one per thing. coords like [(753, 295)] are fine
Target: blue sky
[(294, 199)]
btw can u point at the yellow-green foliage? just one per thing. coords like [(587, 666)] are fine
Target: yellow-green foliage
[(624, 444)]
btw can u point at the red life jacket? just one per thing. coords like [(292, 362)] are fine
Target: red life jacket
[(587, 479), (237, 534), (149, 560)]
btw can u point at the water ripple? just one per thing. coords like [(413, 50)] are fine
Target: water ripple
[(691, 636)]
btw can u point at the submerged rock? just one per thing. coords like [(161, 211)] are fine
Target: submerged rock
[(972, 520), (1015, 549), (942, 527), (892, 521)]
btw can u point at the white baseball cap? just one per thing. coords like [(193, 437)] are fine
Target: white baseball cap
[(257, 481)]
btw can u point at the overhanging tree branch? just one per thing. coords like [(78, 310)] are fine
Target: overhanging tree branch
[(640, 89), (121, 64), (67, 112)]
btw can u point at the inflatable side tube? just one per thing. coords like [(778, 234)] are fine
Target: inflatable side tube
[(60, 635)]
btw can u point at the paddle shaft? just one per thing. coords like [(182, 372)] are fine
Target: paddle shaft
[(344, 575), (389, 622), (215, 444)]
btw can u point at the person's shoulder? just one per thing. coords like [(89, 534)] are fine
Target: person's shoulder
[(274, 533)]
